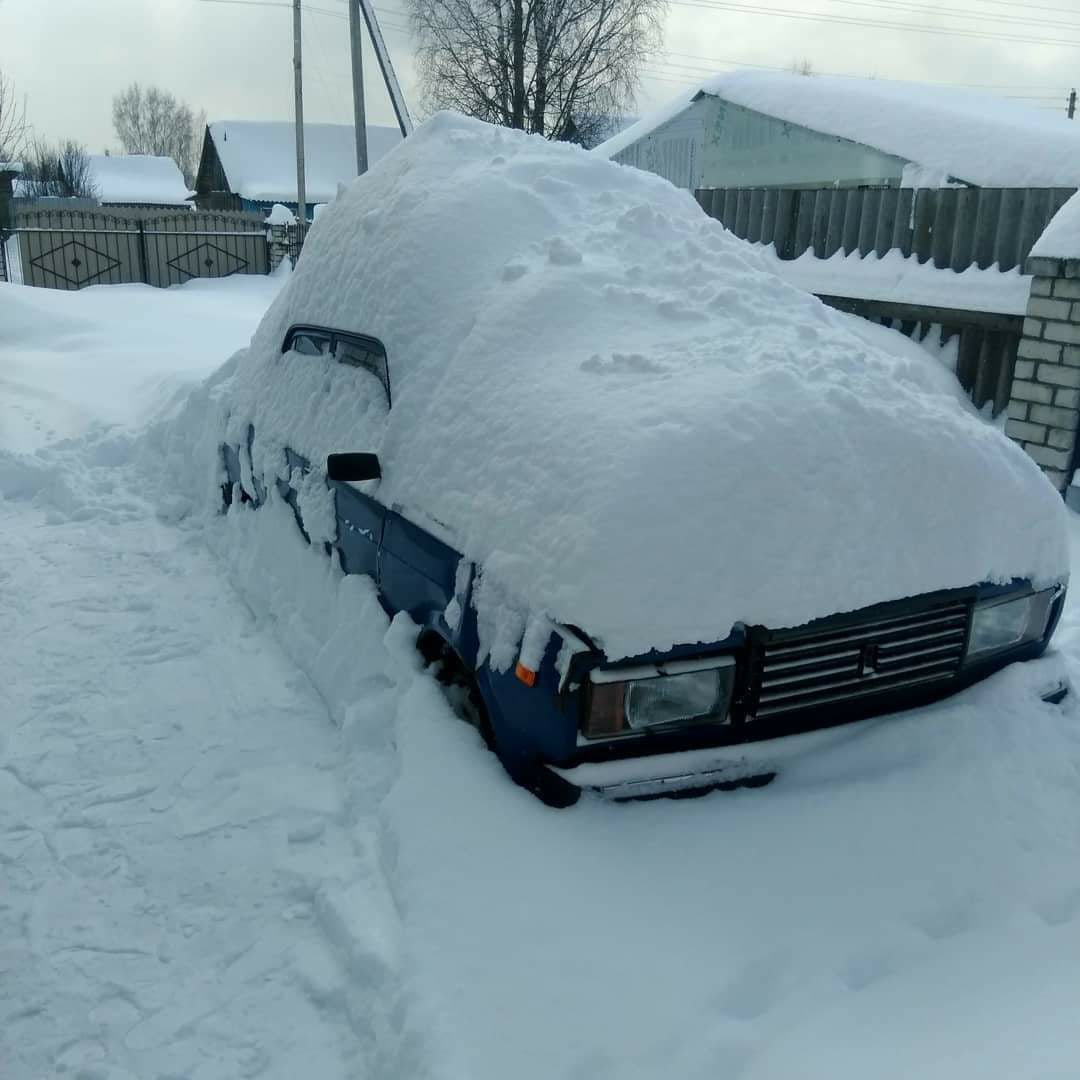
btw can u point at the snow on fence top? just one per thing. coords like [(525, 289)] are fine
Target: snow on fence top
[(949, 133), (259, 157), (621, 413), (1061, 239), (138, 178)]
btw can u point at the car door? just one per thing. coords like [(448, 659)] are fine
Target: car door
[(417, 570), (360, 517), (360, 521), (305, 342)]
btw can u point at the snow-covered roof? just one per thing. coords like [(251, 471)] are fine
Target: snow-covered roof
[(11, 166), (1061, 238), (615, 408), (259, 157), (138, 178), (952, 133)]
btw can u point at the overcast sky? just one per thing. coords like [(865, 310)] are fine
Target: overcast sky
[(69, 57)]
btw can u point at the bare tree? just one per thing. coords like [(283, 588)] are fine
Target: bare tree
[(14, 130), (76, 171), (58, 171), (152, 121), (41, 171), (805, 66), (560, 68)]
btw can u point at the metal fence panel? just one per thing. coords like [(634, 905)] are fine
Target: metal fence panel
[(70, 249)]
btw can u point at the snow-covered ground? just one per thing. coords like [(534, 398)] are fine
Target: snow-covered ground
[(242, 835)]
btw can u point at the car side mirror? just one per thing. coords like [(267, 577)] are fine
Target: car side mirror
[(353, 467)]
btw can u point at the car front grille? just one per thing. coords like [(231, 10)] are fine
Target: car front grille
[(836, 662)]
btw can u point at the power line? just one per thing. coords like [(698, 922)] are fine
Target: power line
[(955, 13), (666, 72), (676, 67), (851, 75), (305, 7), (847, 20), (1029, 7)]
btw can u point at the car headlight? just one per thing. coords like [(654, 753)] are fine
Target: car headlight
[(998, 625), (675, 694)]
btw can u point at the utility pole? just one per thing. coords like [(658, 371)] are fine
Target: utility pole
[(298, 86), (1072, 103), (359, 113), (386, 66)]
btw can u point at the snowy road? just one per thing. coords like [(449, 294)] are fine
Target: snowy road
[(164, 770), (163, 774), (241, 835)]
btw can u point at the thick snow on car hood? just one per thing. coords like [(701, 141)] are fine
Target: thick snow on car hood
[(617, 410)]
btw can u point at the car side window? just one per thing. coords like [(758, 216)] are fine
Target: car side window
[(307, 342), (366, 353), (356, 350)]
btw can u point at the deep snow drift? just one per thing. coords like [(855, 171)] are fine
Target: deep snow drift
[(594, 383), (204, 877), (114, 354)]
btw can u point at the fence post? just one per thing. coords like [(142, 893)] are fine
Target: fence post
[(142, 253), (7, 193), (7, 216)]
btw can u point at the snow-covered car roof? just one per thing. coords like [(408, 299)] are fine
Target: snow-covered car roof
[(619, 412), (951, 133)]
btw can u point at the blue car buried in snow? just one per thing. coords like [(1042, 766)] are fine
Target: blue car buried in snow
[(661, 522)]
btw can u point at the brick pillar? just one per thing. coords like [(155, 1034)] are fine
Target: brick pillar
[(279, 245), (1044, 405)]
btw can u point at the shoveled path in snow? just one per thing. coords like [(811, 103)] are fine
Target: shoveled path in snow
[(173, 840)]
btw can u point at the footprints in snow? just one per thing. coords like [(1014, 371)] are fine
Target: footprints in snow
[(761, 985)]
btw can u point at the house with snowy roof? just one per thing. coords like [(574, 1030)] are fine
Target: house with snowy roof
[(772, 130), (251, 164), (137, 180)]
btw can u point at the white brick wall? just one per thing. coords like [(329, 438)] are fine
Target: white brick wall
[(1044, 405)]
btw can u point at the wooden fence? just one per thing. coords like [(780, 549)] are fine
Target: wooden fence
[(70, 249), (954, 227), (986, 342)]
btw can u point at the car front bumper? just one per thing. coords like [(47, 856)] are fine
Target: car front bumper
[(749, 764)]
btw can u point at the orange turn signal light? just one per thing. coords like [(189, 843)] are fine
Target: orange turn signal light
[(525, 675)]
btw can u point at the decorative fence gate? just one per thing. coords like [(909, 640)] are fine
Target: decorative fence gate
[(70, 249)]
